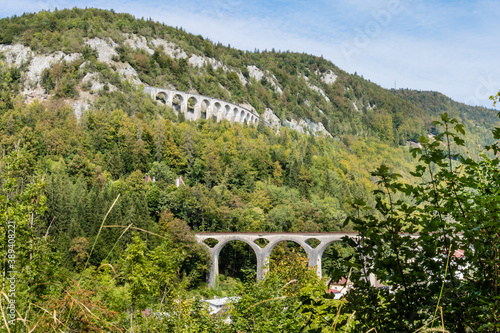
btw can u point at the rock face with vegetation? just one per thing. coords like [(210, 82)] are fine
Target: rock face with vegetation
[(88, 173)]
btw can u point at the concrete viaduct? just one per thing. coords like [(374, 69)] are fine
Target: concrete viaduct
[(263, 253), (195, 106)]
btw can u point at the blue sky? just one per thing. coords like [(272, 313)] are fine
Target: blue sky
[(447, 46)]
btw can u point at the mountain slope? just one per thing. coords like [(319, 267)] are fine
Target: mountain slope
[(104, 48), (72, 98)]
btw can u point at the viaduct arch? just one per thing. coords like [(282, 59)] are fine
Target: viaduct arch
[(195, 106), (263, 253)]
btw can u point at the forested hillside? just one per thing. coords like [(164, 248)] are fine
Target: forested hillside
[(89, 162), (109, 47)]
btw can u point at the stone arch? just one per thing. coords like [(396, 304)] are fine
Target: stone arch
[(177, 102), (244, 256), (309, 251), (242, 116), (323, 248), (313, 242), (270, 247), (210, 242), (236, 115), (324, 244), (205, 109), (261, 241), (268, 250), (162, 96), (224, 242), (227, 112), (216, 250), (192, 102)]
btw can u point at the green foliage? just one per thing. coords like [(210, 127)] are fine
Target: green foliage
[(78, 309), (273, 304), (137, 272), (451, 264), (62, 79), (26, 257), (80, 247), (88, 163)]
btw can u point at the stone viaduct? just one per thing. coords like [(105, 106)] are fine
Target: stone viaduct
[(195, 106), (263, 253)]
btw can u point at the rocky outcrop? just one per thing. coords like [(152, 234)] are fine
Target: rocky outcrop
[(329, 77), (105, 49), (16, 54), (301, 126), (258, 75), (271, 119), (169, 48), (319, 90), (139, 43), (307, 127)]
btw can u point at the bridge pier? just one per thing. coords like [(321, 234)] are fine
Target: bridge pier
[(315, 261), (214, 268), (262, 266), (170, 100), (197, 110), (184, 107)]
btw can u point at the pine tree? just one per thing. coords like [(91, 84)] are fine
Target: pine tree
[(115, 163)]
